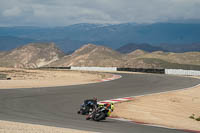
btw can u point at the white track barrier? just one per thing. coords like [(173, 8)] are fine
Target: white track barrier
[(95, 68), (182, 72)]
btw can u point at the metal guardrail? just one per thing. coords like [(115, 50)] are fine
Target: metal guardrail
[(162, 71), (145, 70), (54, 68), (95, 68), (182, 72), (83, 68)]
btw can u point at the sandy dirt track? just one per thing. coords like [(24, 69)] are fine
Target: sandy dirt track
[(13, 127), (171, 109), (22, 78)]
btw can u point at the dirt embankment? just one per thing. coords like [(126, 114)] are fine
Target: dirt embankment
[(171, 109), (22, 78)]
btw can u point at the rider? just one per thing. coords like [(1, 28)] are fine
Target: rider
[(92, 102), (108, 106)]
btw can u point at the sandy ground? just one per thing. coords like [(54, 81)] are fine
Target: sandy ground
[(13, 127), (171, 109), (21, 78)]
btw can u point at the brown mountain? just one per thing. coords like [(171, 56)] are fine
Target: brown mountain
[(2, 54), (39, 54), (160, 59), (32, 55), (92, 55), (190, 58), (137, 53)]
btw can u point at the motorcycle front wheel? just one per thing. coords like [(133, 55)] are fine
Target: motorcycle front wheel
[(99, 116)]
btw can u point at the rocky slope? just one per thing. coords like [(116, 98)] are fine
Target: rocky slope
[(91, 55), (190, 58), (2, 54), (32, 55), (160, 59), (136, 53), (38, 55)]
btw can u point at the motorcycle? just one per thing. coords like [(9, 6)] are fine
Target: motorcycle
[(99, 114), (86, 108)]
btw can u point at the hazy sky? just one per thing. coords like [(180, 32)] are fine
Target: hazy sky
[(65, 12)]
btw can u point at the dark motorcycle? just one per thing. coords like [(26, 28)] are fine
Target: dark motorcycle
[(86, 108), (99, 114)]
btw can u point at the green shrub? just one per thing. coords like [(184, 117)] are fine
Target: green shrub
[(3, 76), (198, 119), (192, 116)]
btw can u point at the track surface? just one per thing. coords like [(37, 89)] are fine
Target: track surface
[(57, 106)]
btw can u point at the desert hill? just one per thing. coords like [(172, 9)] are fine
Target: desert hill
[(37, 55), (160, 59), (31, 56), (136, 53), (91, 55), (190, 58), (2, 54)]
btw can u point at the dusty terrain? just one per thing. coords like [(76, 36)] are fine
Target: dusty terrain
[(14, 127), (171, 109), (22, 78)]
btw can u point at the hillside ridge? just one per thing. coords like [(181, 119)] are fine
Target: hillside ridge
[(36, 55), (32, 55)]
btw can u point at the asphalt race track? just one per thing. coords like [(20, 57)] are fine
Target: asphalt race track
[(57, 106)]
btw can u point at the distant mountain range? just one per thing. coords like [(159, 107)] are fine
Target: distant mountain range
[(72, 37), (128, 48), (177, 48), (11, 42)]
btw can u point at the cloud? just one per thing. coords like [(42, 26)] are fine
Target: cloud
[(15, 11), (65, 12)]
